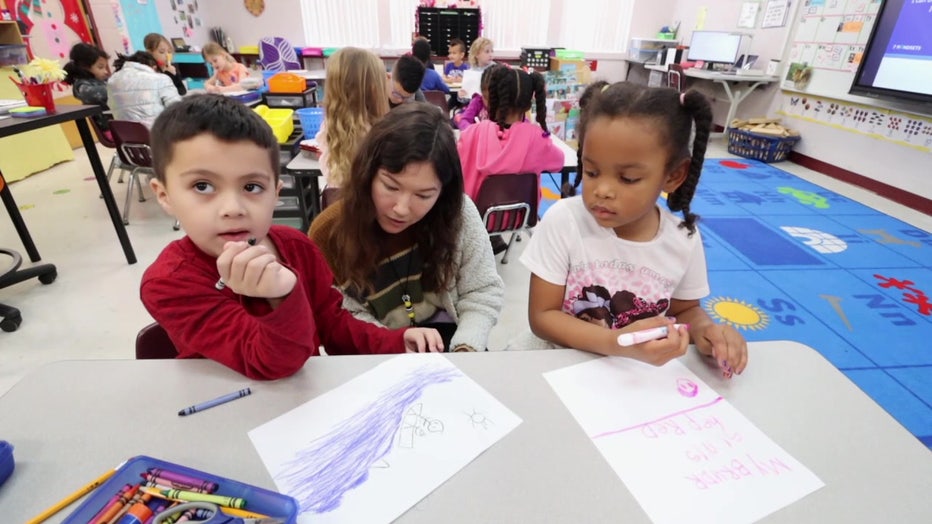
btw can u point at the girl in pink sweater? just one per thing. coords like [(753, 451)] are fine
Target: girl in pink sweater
[(507, 143)]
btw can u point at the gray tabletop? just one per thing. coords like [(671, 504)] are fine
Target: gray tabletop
[(70, 421)]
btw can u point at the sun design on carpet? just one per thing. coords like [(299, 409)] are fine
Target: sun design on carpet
[(736, 312)]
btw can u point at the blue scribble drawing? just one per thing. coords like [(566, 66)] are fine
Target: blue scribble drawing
[(417, 424), (340, 460)]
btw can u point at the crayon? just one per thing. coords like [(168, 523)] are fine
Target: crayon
[(139, 497), (67, 501), (113, 500), (214, 402), (173, 476), (114, 507), (157, 506), (174, 484), (235, 512), (220, 283), (220, 500)]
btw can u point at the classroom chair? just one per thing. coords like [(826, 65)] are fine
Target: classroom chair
[(276, 54), (439, 99), (105, 138), (132, 141), (508, 204), (328, 196), (675, 77), (153, 342), (10, 317)]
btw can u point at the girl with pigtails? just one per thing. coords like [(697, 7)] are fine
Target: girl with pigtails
[(634, 144)]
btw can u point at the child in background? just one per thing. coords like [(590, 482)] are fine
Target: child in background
[(614, 250), (404, 82), (480, 54), (159, 47), (216, 170), (88, 72), (136, 91), (404, 243), (453, 69), (432, 81), (355, 101), (228, 73), (507, 143), (476, 108)]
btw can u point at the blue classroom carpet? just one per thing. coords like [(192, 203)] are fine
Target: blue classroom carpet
[(791, 260)]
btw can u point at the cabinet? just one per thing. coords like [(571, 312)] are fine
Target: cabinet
[(442, 25), (12, 49)]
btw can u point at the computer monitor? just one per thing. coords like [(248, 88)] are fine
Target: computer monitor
[(714, 47)]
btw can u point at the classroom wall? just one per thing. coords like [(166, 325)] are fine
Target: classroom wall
[(280, 18)]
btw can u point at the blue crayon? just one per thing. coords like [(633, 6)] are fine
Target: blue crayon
[(215, 402)]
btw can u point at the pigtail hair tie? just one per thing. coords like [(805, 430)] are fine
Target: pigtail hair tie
[(683, 98)]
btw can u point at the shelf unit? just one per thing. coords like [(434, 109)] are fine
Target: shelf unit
[(442, 25)]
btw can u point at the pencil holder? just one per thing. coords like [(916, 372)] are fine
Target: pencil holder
[(39, 95)]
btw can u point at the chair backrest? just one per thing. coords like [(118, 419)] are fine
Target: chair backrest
[(439, 99), (132, 142), (276, 54), (329, 196), (675, 77), (509, 202), (104, 137), (152, 342)]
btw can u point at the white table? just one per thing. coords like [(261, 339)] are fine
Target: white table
[(70, 421), (732, 84)]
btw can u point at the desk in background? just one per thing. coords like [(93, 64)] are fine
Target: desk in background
[(732, 84), (569, 161), (70, 421), (78, 114), (306, 171)]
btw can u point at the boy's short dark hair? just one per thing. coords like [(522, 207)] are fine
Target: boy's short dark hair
[(456, 42), (409, 73), (421, 50), (224, 118)]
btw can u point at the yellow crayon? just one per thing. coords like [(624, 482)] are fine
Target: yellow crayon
[(220, 500), (67, 501)]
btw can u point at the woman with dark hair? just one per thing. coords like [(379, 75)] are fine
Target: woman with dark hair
[(406, 246), (137, 91)]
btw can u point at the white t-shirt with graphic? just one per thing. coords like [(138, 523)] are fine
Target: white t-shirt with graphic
[(611, 281)]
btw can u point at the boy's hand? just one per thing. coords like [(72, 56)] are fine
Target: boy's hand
[(422, 340), (253, 271), (210, 88), (655, 352), (723, 343)]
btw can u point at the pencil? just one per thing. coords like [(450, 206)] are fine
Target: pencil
[(67, 501)]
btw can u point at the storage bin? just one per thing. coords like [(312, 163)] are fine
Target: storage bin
[(259, 500), (293, 100), (249, 50), (311, 118), (760, 147), (287, 83), (280, 120), (13, 54)]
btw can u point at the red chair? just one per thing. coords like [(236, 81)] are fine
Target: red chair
[(153, 342), (106, 139), (132, 141), (328, 196), (675, 77), (508, 204), (439, 99)]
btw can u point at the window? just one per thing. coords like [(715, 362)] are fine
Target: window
[(513, 24), (370, 24), (603, 26)]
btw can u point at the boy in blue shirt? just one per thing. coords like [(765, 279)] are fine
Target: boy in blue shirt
[(432, 80)]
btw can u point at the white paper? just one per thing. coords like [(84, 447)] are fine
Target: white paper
[(748, 15), (684, 452), (775, 13), (370, 449), (472, 82)]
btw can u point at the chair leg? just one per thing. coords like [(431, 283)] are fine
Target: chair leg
[(129, 197), (142, 196), (511, 240)]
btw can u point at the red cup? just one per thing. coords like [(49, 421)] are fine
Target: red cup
[(39, 95)]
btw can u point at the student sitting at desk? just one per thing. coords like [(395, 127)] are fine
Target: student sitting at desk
[(404, 82), (216, 168), (613, 261), (88, 70), (453, 69), (137, 92), (432, 81), (161, 49), (228, 73)]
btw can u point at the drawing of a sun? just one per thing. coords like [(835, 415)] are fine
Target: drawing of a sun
[(738, 313)]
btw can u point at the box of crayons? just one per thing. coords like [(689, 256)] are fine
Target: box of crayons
[(143, 487)]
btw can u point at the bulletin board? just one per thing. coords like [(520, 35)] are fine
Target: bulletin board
[(830, 37)]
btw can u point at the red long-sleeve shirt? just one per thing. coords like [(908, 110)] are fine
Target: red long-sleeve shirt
[(244, 333)]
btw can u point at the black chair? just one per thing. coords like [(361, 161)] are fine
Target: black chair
[(10, 317), (508, 204), (153, 342)]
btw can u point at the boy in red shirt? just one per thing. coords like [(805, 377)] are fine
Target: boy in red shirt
[(216, 164)]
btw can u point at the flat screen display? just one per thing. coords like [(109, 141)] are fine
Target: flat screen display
[(714, 46), (897, 63)]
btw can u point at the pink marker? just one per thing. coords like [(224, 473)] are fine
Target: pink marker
[(630, 339)]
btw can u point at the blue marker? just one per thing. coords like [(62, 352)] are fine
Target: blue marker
[(215, 402)]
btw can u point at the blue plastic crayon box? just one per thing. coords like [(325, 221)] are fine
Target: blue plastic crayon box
[(258, 500)]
